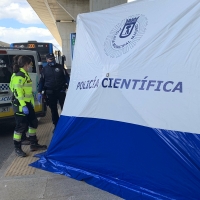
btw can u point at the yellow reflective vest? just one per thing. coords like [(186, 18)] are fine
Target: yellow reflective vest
[(21, 86)]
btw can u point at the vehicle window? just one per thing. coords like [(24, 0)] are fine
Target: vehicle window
[(43, 54), (5, 69), (32, 69), (39, 57)]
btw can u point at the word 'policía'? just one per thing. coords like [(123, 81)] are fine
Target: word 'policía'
[(88, 84), (5, 98)]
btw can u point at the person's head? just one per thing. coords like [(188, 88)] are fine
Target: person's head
[(23, 62), (50, 58), (15, 59), (15, 64)]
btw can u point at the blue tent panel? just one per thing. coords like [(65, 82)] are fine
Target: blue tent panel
[(131, 161)]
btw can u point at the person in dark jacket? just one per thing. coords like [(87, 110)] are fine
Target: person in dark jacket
[(53, 81)]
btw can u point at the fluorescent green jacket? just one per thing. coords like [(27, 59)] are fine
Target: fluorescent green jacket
[(21, 86)]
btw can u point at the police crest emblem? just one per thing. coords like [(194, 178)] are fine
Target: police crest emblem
[(125, 35), (128, 27)]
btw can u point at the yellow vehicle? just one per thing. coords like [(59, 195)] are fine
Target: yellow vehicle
[(6, 63)]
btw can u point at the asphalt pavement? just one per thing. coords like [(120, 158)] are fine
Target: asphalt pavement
[(6, 141)]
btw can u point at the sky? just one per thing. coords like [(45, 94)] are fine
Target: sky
[(20, 23)]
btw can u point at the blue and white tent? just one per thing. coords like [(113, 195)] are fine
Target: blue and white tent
[(131, 119)]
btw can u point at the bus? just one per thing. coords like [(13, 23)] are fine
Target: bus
[(43, 48)]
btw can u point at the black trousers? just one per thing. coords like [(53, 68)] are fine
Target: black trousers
[(53, 98), (23, 122)]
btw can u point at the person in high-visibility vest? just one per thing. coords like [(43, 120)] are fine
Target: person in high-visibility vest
[(24, 139), (23, 106)]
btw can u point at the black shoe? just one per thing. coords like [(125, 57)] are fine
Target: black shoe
[(36, 146), (19, 152)]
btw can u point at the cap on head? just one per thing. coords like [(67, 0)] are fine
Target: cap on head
[(50, 56)]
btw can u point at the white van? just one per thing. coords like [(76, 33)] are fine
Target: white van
[(6, 63)]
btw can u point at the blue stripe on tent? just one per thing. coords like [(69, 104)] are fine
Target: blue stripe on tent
[(131, 161)]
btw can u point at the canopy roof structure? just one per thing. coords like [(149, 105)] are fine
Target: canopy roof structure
[(130, 123), (44, 11), (53, 11)]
